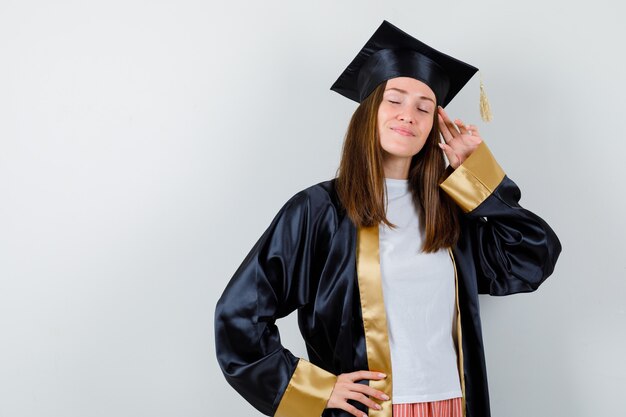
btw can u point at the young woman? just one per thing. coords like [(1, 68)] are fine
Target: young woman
[(384, 262)]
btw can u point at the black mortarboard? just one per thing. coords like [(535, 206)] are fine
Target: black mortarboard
[(390, 53)]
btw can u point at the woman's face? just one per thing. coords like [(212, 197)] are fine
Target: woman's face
[(405, 116)]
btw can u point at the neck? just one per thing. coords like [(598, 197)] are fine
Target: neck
[(396, 167)]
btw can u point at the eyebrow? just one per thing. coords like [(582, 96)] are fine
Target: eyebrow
[(406, 92)]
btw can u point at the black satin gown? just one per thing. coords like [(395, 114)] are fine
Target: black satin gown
[(313, 259)]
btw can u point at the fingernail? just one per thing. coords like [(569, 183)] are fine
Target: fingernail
[(378, 407), (380, 374), (385, 397)]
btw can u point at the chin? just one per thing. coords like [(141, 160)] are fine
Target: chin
[(404, 147), (401, 153)]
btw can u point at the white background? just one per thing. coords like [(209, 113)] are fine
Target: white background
[(146, 145)]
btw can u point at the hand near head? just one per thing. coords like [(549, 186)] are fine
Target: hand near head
[(345, 389), (460, 139)]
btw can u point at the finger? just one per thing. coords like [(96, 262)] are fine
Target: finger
[(339, 399), (473, 136), (364, 399), (463, 128), (356, 375), (473, 128), (372, 392), (352, 410), (443, 129), (449, 123), (450, 154)]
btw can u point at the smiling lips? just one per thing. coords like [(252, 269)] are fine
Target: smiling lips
[(402, 131)]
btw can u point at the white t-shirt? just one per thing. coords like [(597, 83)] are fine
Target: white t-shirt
[(419, 296)]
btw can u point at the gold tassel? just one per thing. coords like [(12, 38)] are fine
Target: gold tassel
[(485, 109)]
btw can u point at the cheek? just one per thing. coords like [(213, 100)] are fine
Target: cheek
[(428, 125), (382, 119), (429, 120), (382, 114)]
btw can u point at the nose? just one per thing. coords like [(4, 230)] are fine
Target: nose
[(406, 115)]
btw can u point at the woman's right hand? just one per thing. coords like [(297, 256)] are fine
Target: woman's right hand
[(345, 389)]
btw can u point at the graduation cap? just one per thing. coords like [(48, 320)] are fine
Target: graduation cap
[(390, 53)]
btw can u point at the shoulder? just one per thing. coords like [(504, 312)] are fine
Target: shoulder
[(320, 195), (318, 200)]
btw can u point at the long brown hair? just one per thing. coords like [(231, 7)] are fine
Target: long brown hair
[(360, 178)]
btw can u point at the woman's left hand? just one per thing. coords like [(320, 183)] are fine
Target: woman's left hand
[(459, 143)]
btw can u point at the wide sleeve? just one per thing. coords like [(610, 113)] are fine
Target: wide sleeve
[(273, 280), (514, 250)]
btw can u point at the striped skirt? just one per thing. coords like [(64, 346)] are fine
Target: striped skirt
[(443, 408)]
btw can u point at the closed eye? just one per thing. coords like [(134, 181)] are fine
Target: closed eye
[(397, 102)]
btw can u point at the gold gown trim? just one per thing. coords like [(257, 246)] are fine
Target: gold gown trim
[(475, 179), (308, 391), (374, 316), (459, 333)]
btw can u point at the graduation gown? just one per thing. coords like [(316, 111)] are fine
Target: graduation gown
[(313, 259)]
